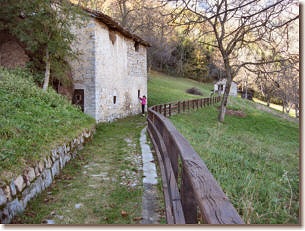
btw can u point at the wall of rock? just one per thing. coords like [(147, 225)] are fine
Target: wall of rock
[(15, 195)]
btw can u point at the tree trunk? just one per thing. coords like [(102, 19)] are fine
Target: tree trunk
[(224, 101), (297, 110), (47, 72)]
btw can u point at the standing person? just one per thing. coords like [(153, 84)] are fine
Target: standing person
[(143, 103)]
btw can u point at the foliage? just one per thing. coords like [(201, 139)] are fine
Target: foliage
[(32, 121), (237, 27), (43, 26)]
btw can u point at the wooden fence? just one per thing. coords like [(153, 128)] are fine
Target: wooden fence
[(169, 109), (190, 191)]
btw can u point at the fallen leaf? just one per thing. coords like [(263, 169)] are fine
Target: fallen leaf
[(124, 213), (137, 218)]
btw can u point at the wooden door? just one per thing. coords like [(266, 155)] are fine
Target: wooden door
[(78, 98)]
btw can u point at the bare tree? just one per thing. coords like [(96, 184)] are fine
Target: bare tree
[(237, 26)]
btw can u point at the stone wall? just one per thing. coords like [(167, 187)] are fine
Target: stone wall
[(112, 69), (15, 195), (120, 74), (12, 54), (83, 69)]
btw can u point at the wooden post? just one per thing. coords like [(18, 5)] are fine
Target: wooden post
[(179, 104), (164, 108), (170, 110)]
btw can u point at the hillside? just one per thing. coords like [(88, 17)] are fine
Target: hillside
[(254, 155), (164, 89), (32, 122)]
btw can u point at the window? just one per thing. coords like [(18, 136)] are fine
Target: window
[(78, 98), (139, 93), (136, 46), (114, 99)]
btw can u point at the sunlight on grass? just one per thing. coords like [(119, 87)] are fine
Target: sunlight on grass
[(164, 89), (275, 106)]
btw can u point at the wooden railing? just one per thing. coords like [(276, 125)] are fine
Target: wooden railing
[(190, 190), (169, 109)]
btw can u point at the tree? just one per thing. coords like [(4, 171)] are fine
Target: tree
[(237, 26), (44, 27)]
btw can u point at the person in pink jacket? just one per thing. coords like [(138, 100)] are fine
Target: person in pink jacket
[(143, 103)]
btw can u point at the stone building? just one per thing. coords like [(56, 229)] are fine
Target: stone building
[(109, 75), (219, 87), (111, 72)]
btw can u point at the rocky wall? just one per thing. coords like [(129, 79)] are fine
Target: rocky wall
[(15, 195)]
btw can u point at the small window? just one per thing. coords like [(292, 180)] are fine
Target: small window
[(136, 46), (139, 93), (114, 99), (78, 97)]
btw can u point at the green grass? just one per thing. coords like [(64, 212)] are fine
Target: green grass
[(100, 179), (254, 158), (32, 122), (164, 89)]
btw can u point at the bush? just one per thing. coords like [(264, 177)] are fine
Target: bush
[(194, 91)]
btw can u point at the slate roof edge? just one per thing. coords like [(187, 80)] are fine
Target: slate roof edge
[(113, 25)]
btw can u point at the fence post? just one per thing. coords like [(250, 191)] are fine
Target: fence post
[(164, 108), (179, 107), (170, 110)]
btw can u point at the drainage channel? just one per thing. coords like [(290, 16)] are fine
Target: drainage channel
[(150, 213)]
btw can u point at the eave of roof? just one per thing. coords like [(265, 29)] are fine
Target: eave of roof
[(113, 25)]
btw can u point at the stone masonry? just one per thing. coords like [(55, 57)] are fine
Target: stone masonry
[(15, 195), (111, 70)]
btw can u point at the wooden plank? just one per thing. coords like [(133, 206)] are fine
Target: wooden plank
[(214, 206), (168, 205), (187, 200), (212, 201)]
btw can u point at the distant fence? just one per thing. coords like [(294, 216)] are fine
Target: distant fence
[(169, 109), (190, 191)]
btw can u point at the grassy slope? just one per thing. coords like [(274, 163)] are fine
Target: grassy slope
[(32, 122), (164, 89), (255, 159)]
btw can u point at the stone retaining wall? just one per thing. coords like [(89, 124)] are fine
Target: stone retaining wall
[(15, 195)]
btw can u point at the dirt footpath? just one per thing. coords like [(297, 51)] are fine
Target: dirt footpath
[(104, 184)]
